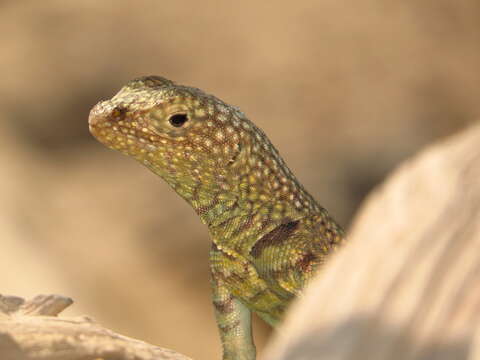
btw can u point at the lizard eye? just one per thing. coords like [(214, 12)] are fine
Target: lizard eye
[(178, 120)]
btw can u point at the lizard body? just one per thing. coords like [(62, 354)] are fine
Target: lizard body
[(268, 234)]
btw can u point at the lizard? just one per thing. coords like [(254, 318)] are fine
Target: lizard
[(268, 234)]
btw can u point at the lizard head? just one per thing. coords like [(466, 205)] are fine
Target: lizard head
[(201, 146), (179, 132), (169, 127)]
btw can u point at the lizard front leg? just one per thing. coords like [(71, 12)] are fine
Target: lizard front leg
[(233, 321)]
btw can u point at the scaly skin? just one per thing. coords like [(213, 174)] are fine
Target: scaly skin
[(269, 235)]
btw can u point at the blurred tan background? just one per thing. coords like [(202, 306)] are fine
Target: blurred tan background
[(345, 89)]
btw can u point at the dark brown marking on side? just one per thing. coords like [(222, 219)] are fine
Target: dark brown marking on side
[(275, 237)]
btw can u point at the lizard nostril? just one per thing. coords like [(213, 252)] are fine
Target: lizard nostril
[(118, 113)]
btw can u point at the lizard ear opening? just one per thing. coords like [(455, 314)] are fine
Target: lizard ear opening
[(178, 120)]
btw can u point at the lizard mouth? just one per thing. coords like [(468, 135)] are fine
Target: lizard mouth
[(94, 124), (100, 128), (93, 121)]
